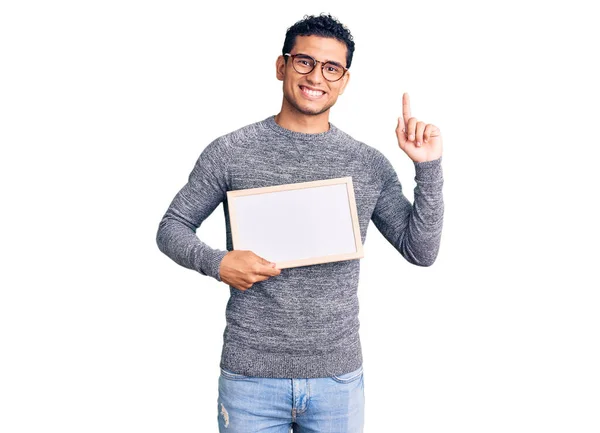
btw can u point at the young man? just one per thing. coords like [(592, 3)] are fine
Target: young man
[(291, 354)]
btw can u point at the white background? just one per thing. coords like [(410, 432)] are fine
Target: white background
[(105, 107)]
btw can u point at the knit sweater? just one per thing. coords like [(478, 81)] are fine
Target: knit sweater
[(302, 323)]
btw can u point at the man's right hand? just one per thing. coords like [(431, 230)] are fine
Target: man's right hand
[(242, 268)]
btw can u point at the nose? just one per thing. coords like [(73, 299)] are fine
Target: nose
[(316, 75)]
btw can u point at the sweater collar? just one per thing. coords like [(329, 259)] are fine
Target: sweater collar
[(303, 136)]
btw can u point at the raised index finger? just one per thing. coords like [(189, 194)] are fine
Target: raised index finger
[(406, 108)]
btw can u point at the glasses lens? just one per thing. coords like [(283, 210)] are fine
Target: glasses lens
[(332, 72), (304, 64)]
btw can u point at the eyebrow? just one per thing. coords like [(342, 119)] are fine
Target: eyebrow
[(335, 63), (326, 61)]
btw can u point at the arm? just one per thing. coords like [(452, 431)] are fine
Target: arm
[(205, 190), (414, 230)]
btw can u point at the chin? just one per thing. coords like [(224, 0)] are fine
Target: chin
[(314, 112), (311, 109), (307, 108)]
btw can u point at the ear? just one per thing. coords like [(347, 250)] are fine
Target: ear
[(280, 68), (345, 82)]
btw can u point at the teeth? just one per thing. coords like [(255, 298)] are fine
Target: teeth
[(312, 92)]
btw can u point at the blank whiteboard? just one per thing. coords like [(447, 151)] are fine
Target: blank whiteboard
[(297, 224)]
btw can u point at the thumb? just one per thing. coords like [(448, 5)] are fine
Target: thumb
[(402, 139), (269, 269)]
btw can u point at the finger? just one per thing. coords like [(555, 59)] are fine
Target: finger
[(406, 108), (259, 278), (267, 270), (419, 133), (264, 261), (401, 133), (410, 130), (427, 132)]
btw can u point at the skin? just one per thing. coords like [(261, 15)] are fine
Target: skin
[(242, 268), (421, 142), (301, 113)]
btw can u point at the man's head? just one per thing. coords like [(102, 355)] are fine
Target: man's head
[(325, 39), (324, 26)]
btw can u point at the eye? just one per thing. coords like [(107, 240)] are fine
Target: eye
[(304, 61)]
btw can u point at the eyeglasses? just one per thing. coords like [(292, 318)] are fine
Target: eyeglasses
[(304, 64)]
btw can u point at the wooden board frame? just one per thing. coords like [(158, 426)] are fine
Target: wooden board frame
[(346, 213)]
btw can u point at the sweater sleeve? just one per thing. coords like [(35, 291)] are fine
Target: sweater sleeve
[(205, 190), (414, 230)]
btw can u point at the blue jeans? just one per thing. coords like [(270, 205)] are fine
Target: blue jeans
[(269, 405)]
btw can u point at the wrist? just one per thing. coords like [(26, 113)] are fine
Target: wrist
[(428, 170)]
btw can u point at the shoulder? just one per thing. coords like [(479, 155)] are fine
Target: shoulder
[(369, 155), (231, 142), (243, 134)]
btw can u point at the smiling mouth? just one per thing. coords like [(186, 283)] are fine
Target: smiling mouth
[(313, 94)]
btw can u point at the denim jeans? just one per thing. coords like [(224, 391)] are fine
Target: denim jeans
[(270, 405)]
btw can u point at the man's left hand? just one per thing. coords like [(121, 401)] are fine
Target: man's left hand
[(421, 142)]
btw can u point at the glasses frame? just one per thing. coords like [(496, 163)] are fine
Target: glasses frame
[(315, 61)]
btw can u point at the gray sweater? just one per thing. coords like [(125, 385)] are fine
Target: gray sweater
[(302, 323)]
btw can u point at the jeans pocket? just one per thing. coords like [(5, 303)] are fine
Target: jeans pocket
[(227, 374), (348, 377)]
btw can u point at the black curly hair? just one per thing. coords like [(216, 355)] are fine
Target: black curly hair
[(323, 25)]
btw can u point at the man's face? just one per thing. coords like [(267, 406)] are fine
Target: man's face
[(295, 85)]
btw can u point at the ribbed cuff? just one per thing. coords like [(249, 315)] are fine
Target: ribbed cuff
[(429, 171), (211, 262)]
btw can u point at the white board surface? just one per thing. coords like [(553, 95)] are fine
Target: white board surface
[(297, 224)]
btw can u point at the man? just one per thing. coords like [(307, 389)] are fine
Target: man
[(291, 354)]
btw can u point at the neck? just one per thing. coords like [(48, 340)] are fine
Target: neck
[(300, 122)]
